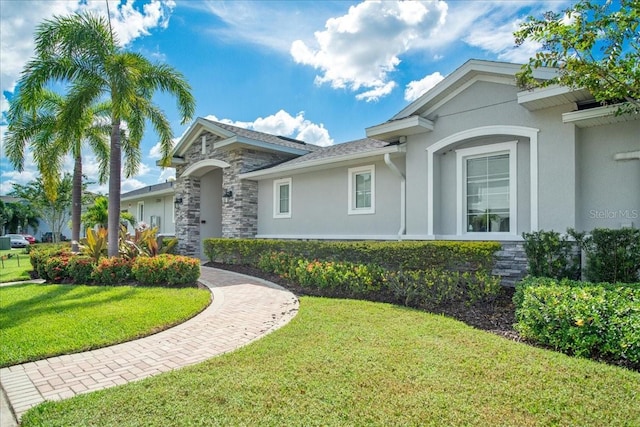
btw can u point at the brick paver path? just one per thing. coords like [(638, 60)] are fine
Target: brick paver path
[(243, 309)]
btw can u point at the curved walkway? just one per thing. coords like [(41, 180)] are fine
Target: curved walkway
[(244, 309)]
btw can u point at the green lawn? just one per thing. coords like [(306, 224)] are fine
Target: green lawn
[(345, 362), (37, 321), (14, 265)]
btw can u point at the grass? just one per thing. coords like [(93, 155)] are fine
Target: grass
[(38, 321), (14, 265), (345, 362)]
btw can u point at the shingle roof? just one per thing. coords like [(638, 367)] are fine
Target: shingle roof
[(147, 190), (265, 137), (339, 150)]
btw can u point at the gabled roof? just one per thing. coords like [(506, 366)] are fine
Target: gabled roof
[(334, 154), (230, 134), (406, 121)]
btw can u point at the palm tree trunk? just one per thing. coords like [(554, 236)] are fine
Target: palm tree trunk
[(115, 163), (76, 202)]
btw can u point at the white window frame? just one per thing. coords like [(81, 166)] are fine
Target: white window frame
[(276, 197), (461, 184), (140, 212), (353, 210)]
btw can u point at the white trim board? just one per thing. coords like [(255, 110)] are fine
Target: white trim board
[(527, 132)]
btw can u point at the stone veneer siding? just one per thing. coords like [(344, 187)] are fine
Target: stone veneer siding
[(511, 263), (239, 212)]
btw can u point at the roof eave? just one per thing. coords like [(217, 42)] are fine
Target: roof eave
[(395, 129), (598, 116), (552, 96), (260, 145), (309, 166), (193, 131)]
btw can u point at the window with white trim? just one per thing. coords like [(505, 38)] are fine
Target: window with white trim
[(362, 190), (282, 198), (140, 212), (487, 189)]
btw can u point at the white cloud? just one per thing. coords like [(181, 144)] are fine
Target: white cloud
[(167, 174), (377, 92), (131, 184), (360, 49), (20, 19), (272, 24), (416, 88), (18, 23), (283, 123), (501, 42)]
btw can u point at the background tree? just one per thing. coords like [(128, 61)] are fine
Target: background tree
[(55, 213), (50, 140), (20, 216), (82, 50), (98, 214), (594, 45)]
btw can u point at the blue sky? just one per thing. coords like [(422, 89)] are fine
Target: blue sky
[(321, 71)]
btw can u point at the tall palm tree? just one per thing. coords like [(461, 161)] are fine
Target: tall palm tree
[(82, 50), (50, 142)]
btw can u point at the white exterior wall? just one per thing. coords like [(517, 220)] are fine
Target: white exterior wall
[(160, 206), (493, 104), (320, 204), (608, 190)]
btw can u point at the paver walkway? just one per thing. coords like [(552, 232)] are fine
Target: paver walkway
[(243, 309)]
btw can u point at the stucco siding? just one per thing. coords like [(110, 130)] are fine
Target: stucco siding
[(320, 202), (608, 190), (480, 105), (416, 172), (158, 206)]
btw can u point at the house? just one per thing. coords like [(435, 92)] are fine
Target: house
[(153, 205), (474, 158)]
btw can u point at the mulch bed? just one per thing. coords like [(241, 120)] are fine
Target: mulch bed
[(497, 317)]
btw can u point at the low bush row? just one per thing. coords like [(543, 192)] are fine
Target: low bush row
[(415, 288), (610, 255), (598, 320), (460, 256), (57, 264)]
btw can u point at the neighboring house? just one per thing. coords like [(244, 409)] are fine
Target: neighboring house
[(474, 158), (153, 205)]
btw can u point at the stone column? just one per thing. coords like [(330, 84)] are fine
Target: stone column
[(239, 212), (188, 216)]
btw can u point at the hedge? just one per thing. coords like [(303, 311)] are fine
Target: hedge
[(414, 288), (166, 269), (58, 264), (598, 320), (406, 255)]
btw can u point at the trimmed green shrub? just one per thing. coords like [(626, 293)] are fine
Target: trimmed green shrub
[(112, 271), (181, 270), (55, 268), (460, 256), (612, 255), (149, 271), (346, 277), (416, 288), (164, 269), (581, 318), (429, 288), (41, 253), (80, 269), (551, 255)]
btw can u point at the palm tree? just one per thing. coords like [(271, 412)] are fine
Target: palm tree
[(81, 49), (98, 214), (49, 143)]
